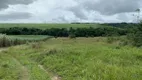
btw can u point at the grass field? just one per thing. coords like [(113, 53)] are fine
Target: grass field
[(71, 59), (45, 26)]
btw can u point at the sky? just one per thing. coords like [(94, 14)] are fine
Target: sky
[(67, 11)]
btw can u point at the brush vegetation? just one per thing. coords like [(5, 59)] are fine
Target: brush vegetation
[(11, 40)]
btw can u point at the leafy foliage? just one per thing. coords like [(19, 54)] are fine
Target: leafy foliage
[(63, 32), (135, 36)]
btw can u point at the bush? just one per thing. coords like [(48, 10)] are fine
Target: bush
[(4, 41), (72, 36), (112, 39), (135, 38)]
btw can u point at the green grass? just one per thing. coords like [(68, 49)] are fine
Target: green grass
[(46, 26), (9, 70), (80, 59)]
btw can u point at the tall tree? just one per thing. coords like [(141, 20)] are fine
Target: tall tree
[(138, 15)]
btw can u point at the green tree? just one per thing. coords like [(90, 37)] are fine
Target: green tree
[(136, 37)]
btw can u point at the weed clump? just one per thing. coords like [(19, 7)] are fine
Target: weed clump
[(47, 53), (51, 52), (5, 66), (112, 39), (36, 45)]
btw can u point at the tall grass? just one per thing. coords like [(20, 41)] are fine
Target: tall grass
[(82, 59), (6, 41)]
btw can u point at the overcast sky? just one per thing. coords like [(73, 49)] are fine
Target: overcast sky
[(62, 11)]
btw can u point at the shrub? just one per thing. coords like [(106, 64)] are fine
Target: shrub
[(111, 39), (135, 38), (72, 36), (123, 42), (36, 45), (4, 41)]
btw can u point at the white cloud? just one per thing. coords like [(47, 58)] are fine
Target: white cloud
[(71, 11)]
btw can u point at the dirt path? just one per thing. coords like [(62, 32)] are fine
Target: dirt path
[(25, 74), (53, 76), (24, 71)]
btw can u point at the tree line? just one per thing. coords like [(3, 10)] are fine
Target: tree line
[(133, 32), (64, 32)]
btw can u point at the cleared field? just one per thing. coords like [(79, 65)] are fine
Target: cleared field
[(45, 26), (75, 59)]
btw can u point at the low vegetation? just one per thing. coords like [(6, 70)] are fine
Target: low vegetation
[(6, 41), (88, 53), (77, 59)]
